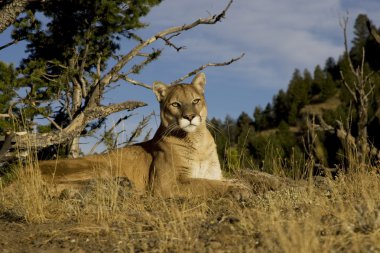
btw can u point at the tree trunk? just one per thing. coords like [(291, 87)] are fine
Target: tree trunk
[(362, 139), (10, 12), (75, 128), (73, 147)]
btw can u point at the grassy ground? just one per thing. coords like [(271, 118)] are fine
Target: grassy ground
[(320, 215)]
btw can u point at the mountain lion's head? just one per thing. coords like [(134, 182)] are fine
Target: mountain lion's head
[(182, 106)]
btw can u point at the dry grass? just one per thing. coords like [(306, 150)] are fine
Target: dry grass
[(323, 215), (318, 109)]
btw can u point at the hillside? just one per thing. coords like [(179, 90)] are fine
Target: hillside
[(323, 115)]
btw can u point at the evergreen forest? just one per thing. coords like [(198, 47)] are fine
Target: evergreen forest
[(323, 117), (302, 123)]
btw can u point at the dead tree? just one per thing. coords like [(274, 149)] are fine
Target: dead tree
[(373, 31), (85, 105), (357, 150), (316, 151), (360, 90)]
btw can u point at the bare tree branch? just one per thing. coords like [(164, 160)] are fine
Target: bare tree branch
[(135, 82), (9, 44), (343, 25), (53, 123), (353, 95), (323, 125), (373, 31), (195, 71), (344, 135), (148, 59), (171, 44), (114, 72), (360, 90), (91, 92), (76, 126), (7, 144), (191, 73), (10, 12), (108, 131), (346, 139)]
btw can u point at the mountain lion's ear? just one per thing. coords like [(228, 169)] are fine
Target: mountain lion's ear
[(199, 82), (159, 90)]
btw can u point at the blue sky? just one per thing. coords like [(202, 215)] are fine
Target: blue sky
[(276, 36)]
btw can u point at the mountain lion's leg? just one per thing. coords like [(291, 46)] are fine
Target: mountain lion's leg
[(202, 188)]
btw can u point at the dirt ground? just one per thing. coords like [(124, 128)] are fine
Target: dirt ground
[(210, 228), (69, 236), (282, 216)]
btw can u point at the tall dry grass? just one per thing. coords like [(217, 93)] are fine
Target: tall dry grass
[(318, 215), (23, 190)]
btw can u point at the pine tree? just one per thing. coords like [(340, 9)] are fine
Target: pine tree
[(65, 74), (364, 41), (323, 86), (68, 49), (359, 41), (318, 80), (332, 68), (298, 94), (280, 107), (7, 93), (244, 125)]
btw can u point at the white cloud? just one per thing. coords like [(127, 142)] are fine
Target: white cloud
[(277, 36)]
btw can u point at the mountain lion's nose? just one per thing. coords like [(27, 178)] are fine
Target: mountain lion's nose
[(189, 117)]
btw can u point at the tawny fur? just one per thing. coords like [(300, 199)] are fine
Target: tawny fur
[(181, 159)]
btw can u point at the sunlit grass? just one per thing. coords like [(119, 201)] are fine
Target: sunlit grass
[(340, 214)]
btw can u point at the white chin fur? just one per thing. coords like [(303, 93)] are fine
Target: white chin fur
[(188, 126)]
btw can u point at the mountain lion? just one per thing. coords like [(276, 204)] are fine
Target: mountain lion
[(181, 159)]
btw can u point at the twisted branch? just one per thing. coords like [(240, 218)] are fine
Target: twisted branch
[(113, 74), (195, 71)]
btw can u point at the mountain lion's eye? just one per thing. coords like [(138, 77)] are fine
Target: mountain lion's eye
[(176, 104), (196, 101)]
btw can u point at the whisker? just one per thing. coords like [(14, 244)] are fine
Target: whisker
[(168, 130), (213, 127)]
